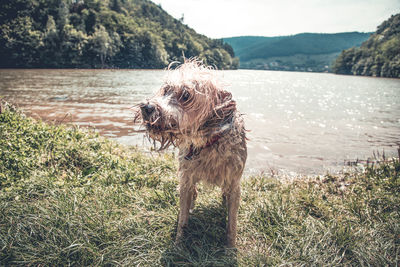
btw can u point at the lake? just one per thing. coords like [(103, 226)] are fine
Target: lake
[(307, 123)]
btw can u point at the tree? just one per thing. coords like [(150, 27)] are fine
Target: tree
[(102, 44), (51, 52), (73, 47), (378, 56), (344, 62), (22, 43), (95, 33)]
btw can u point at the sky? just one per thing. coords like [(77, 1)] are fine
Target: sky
[(228, 18)]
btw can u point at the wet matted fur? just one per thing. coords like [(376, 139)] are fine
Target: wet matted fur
[(193, 112)]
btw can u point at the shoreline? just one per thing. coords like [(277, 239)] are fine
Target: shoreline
[(221, 70), (271, 168)]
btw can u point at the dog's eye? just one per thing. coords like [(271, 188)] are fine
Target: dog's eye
[(185, 96)]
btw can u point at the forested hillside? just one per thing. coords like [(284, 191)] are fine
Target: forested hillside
[(304, 52), (100, 34), (378, 56)]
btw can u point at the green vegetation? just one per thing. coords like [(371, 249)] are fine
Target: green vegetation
[(100, 34), (300, 52), (298, 62), (378, 56), (70, 197)]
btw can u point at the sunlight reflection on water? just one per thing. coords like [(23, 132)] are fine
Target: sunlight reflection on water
[(302, 122)]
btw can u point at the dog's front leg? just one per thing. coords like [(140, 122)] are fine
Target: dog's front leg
[(186, 192), (233, 199)]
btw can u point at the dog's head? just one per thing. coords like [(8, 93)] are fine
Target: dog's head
[(188, 107)]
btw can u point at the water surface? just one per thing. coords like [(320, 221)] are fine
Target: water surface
[(299, 122)]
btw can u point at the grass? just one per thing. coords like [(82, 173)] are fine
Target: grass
[(70, 197)]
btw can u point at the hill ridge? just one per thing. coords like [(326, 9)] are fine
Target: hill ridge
[(300, 51), (377, 56), (100, 34)]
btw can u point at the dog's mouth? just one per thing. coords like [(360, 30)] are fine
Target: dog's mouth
[(166, 136), (159, 129), (158, 124)]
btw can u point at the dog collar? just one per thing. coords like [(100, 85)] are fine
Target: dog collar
[(223, 128), (195, 151)]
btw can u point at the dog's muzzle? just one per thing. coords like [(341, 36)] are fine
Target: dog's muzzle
[(147, 111)]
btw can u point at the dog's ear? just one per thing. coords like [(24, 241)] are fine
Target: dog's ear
[(223, 111), (223, 96), (225, 105)]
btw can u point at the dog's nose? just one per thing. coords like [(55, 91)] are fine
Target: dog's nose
[(147, 110)]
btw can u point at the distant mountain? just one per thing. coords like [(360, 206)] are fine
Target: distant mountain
[(300, 52), (100, 34), (378, 56)]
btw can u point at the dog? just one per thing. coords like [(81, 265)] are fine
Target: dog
[(192, 111)]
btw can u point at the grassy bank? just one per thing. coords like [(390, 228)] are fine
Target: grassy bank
[(70, 197)]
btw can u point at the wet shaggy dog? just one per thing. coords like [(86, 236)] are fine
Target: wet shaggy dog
[(192, 112)]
